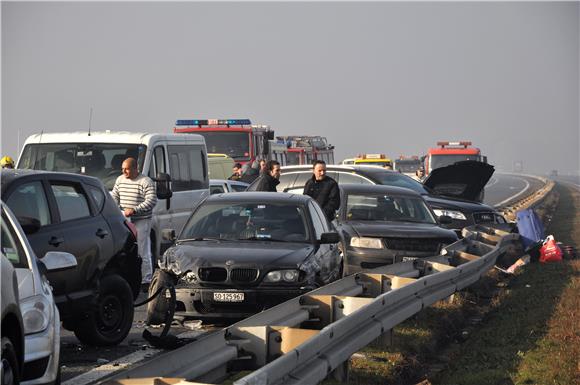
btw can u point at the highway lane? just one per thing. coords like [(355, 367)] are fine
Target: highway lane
[(503, 188), (85, 365)]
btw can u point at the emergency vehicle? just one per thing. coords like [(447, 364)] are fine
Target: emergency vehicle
[(306, 149), (379, 160), (407, 165), (237, 138), (450, 152)]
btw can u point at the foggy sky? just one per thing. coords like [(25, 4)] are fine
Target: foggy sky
[(373, 77)]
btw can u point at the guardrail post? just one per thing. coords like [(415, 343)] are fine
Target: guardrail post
[(341, 373), (384, 340)]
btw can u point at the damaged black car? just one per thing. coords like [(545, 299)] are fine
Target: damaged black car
[(381, 225), (240, 253)]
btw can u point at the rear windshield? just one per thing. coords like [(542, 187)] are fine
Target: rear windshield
[(387, 208), (101, 160), (398, 180)]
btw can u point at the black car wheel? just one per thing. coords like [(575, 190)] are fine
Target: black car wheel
[(9, 363), (110, 322), (158, 308)]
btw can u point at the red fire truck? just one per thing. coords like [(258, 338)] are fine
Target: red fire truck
[(450, 152), (305, 149), (237, 138)]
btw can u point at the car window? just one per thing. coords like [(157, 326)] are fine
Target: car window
[(345, 178), (216, 189), (29, 200), (390, 178), (157, 162), (71, 201), (286, 181), (98, 196), (301, 179), (320, 225), (238, 187), (248, 221), (188, 167), (11, 246)]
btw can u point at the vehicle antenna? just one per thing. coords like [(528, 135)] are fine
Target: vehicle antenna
[(90, 118)]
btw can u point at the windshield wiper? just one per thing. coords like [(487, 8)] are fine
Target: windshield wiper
[(201, 239), (254, 238)]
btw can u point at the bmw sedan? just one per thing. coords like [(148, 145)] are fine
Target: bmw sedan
[(242, 252), (381, 225)]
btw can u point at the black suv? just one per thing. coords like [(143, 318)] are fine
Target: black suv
[(75, 214), (463, 212)]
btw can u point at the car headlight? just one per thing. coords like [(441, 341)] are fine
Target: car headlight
[(36, 314), (369, 243), (282, 275), (190, 277), (450, 213)]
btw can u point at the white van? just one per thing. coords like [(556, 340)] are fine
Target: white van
[(176, 162)]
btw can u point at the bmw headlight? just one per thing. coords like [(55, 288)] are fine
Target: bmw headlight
[(36, 314), (369, 243), (189, 277), (450, 213), (282, 276)]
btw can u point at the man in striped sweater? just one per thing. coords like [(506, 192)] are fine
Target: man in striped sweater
[(135, 194)]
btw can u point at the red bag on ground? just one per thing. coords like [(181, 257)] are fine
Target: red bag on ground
[(550, 251)]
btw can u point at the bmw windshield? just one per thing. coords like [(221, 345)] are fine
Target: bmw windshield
[(242, 221)]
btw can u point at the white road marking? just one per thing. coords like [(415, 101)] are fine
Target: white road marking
[(122, 363), (515, 195)]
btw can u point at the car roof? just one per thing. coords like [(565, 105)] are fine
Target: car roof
[(259, 197), (376, 189), (236, 182), (10, 175), (339, 167), (110, 136)]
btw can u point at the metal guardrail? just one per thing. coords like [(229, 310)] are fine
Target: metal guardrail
[(531, 200), (304, 339)]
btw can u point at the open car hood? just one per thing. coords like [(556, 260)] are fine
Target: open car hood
[(465, 179)]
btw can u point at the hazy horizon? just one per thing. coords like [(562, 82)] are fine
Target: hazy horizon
[(376, 77)]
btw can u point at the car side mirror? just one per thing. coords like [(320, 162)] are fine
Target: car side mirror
[(168, 235), (163, 186), (58, 261), (329, 238), (29, 225), (445, 220)]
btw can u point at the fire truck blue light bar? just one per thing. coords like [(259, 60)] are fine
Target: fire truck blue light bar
[(207, 122)]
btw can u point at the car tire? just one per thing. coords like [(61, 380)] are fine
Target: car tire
[(10, 369), (158, 307), (111, 319)]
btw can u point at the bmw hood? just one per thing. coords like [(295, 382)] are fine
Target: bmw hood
[(399, 230), (192, 255), (464, 180)]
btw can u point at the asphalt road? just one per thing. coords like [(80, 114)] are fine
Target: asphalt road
[(86, 365)]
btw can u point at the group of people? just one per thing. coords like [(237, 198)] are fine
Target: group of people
[(322, 188)]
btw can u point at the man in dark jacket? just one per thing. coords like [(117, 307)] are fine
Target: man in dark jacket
[(323, 189), (270, 179)]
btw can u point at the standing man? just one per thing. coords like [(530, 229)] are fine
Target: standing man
[(270, 179), (135, 194), (323, 189), (237, 175)]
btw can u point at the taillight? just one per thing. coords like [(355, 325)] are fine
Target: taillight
[(131, 227)]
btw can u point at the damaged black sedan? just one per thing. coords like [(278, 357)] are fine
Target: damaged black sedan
[(381, 225), (240, 253)]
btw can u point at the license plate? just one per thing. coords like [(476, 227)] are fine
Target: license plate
[(228, 297), (408, 259)]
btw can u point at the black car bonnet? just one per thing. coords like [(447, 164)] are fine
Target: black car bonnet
[(465, 180)]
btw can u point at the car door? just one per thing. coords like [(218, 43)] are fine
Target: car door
[(86, 235), (28, 200), (327, 255)]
